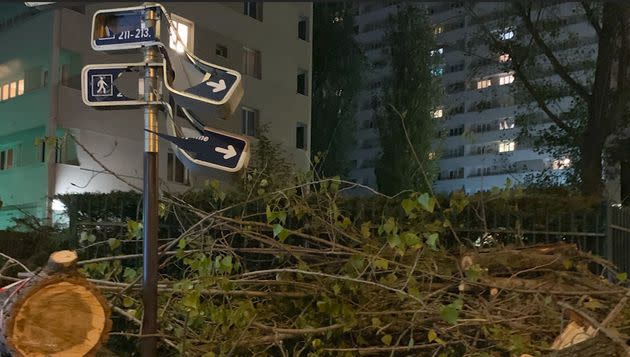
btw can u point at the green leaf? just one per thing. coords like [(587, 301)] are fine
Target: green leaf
[(450, 312), (381, 263), (387, 340), (394, 241), (426, 202), (410, 239), (191, 300), (376, 322), (277, 229), (432, 335), (622, 277), (161, 209), (129, 274), (86, 237), (181, 244), (389, 226), (127, 302), (365, 230), (432, 240), (283, 235), (408, 205), (567, 264), (113, 243), (134, 229)]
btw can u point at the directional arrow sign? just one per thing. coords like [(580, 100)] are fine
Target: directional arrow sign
[(205, 89), (124, 28), (214, 148), (99, 84)]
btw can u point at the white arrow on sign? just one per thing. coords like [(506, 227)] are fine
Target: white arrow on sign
[(228, 153), (217, 87)]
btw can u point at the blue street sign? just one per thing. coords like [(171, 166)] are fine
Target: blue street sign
[(98, 84), (205, 89), (125, 28), (214, 148)]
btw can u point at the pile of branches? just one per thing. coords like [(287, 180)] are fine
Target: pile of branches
[(293, 273)]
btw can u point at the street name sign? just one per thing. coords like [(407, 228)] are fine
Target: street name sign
[(214, 148), (207, 90), (125, 28), (99, 84)]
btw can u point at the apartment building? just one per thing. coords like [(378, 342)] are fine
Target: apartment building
[(44, 51), (477, 144)]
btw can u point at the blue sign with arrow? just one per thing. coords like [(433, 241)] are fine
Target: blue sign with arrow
[(214, 148)]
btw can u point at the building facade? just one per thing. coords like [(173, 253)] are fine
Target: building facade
[(476, 145), (40, 65)]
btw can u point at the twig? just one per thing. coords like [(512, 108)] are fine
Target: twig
[(16, 261)]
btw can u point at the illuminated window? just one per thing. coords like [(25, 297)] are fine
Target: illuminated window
[(5, 92), (180, 37), (484, 83), (13, 90), (504, 57), (438, 113), (506, 124), (20, 87), (438, 51), (506, 35), (506, 79), (506, 146), (561, 164), (438, 29)]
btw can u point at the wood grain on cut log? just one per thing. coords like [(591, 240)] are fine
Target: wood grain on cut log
[(510, 261), (57, 313)]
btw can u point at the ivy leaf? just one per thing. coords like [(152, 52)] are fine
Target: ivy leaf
[(432, 240), (381, 263), (87, 238), (450, 312), (387, 340), (283, 235), (426, 202), (161, 209), (127, 302), (134, 229), (394, 241), (191, 300), (181, 244), (365, 230), (113, 243), (622, 277), (277, 229), (376, 322), (432, 335), (567, 264), (129, 274), (408, 205), (389, 226)]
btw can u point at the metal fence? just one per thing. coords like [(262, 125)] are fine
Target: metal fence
[(618, 236)]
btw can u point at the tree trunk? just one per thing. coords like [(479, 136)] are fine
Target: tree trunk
[(54, 313)]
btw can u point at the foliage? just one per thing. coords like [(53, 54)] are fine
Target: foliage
[(405, 124), (338, 66)]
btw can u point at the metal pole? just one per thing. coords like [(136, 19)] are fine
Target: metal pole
[(148, 345)]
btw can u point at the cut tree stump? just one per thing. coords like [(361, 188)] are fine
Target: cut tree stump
[(56, 313)]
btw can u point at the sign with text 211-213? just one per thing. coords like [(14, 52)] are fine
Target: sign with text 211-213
[(125, 28)]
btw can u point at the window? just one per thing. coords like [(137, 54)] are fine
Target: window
[(6, 159), (181, 33), (504, 57), (506, 34), (438, 113), (252, 62), (303, 28), (506, 146), (561, 164), (250, 121), (505, 124), (302, 82), (438, 51), (484, 83), (438, 29), (11, 89), (300, 136), (507, 79), (176, 172), (439, 71), (221, 51), (253, 9), (5, 92)]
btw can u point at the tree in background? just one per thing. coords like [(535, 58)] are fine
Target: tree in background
[(338, 64), (405, 124), (551, 66)]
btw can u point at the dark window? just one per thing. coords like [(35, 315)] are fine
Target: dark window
[(300, 136), (253, 9), (221, 51), (252, 63), (176, 171), (302, 82), (250, 121), (303, 29)]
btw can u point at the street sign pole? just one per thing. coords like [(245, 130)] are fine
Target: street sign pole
[(150, 207)]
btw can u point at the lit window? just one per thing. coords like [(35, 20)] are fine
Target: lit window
[(438, 113), (252, 63), (5, 92), (438, 29), (504, 57), (438, 51), (250, 121), (561, 164), (506, 146), (13, 90), (506, 124), (506, 79), (484, 83), (506, 35), (180, 34), (176, 171)]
